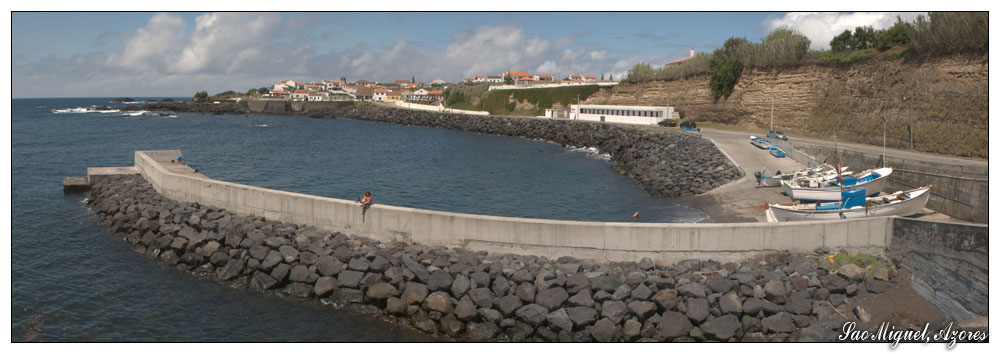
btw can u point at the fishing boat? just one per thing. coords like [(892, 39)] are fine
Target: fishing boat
[(818, 171), (813, 189), (777, 152), (760, 142), (852, 206)]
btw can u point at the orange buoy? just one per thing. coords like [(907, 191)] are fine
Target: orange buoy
[(635, 215)]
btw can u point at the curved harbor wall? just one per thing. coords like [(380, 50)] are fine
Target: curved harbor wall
[(612, 241)]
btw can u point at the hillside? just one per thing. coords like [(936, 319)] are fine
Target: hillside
[(944, 101)]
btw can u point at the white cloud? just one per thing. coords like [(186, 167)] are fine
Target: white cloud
[(821, 27), (151, 47)]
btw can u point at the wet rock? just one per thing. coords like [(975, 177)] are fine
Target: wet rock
[(324, 286), (262, 281), (299, 290)]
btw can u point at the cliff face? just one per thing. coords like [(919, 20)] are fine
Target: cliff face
[(944, 102)]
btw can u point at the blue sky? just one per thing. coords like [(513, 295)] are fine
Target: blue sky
[(176, 54)]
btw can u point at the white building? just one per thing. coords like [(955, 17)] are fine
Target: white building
[(648, 115), (379, 95)]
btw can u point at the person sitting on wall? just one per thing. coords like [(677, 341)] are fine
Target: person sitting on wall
[(366, 202), (180, 159)]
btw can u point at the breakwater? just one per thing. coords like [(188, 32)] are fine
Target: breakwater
[(483, 296), (665, 164)]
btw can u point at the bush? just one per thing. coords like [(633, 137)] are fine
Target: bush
[(941, 33), (725, 70)]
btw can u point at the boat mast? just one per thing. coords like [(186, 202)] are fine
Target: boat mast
[(772, 112)]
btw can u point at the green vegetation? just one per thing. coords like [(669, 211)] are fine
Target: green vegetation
[(937, 34), (943, 33), (862, 260), (200, 96)]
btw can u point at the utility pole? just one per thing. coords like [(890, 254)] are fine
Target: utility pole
[(883, 140)]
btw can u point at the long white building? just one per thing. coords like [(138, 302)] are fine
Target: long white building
[(649, 115)]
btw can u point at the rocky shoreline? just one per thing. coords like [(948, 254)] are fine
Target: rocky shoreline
[(665, 164), (458, 294)]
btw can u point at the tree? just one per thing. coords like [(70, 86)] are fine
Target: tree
[(841, 41), (640, 72), (507, 80), (201, 96), (725, 68), (863, 38), (251, 92), (263, 90)]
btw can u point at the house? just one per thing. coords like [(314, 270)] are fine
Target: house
[(435, 95), (300, 95), (316, 96), (379, 95), (406, 95), (420, 95), (400, 82), (496, 79), (393, 96), (479, 78), (284, 85), (340, 96), (573, 77), (412, 85), (364, 94), (678, 61), (524, 81), (590, 78), (334, 85), (278, 94), (544, 77), (438, 82), (514, 74)]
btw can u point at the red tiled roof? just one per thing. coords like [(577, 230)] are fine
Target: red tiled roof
[(480, 75), (678, 61), (516, 73), (381, 90), (590, 77), (544, 75), (301, 91), (435, 92)]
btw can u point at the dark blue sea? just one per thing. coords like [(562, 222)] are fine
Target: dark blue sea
[(71, 281)]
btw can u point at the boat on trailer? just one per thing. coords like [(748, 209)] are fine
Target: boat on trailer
[(777, 152), (853, 205), (813, 189), (818, 171)]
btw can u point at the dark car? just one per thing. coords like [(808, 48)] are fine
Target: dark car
[(777, 134), (668, 123), (689, 125)]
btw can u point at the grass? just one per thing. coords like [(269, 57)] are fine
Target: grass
[(861, 260)]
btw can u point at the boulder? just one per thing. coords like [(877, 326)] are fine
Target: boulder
[(414, 293), (605, 331), (324, 286), (559, 320), (730, 303), (582, 316), (721, 328), (482, 297), (666, 299), (641, 292), (673, 324), (576, 283), (508, 304), (851, 271), (359, 264), (774, 291), (697, 309), (280, 272), (551, 298), (614, 310), (581, 298), (482, 331), (460, 285), (381, 291), (350, 278), (299, 290), (532, 314), (641, 309), (299, 273), (439, 301), (778, 323), (526, 292), (466, 309), (692, 290)]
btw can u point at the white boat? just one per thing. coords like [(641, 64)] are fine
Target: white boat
[(775, 181), (901, 203), (760, 142), (817, 189)]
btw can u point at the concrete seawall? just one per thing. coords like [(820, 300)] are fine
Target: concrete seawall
[(593, 240), (949, 262)]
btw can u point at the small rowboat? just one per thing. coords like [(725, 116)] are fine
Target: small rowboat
[(777, 152), (760, 142), (775, 181), (901, 203), (813, 189)]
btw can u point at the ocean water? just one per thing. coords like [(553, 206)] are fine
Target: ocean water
[(71, 281)]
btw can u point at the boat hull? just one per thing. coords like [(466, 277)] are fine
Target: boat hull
[(830, 194), (913, 205)]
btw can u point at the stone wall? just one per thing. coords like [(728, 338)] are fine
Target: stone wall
[(949, 263), (485, 296)]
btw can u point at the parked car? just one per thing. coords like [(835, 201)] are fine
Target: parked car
[(689, 124), (668, 123), (777, 134)]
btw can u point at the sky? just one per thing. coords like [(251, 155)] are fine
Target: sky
[(146, 54)]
